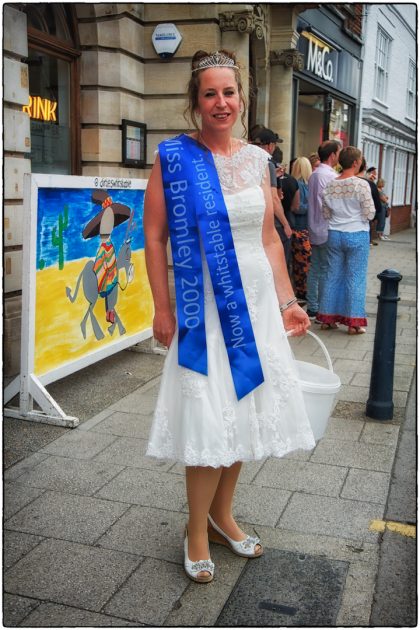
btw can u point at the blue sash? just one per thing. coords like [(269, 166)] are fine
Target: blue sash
[(197, 212)]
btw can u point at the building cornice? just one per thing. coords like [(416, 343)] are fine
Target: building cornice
[(394, 10), (378, 119)]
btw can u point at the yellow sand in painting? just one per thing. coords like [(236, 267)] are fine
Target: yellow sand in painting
[(58, 336)]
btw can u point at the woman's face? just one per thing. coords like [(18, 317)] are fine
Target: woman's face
[(218, 99)]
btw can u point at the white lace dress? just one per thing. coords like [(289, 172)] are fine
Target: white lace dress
[(198, 420)]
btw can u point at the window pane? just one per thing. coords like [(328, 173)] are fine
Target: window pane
[(381, 85), (412, 76), (410, 105), (310, 119), (49, 17), (411, 89), (371, 154), (398, 197), (381, 67), (340, 122), (409, 179), (49, 110)]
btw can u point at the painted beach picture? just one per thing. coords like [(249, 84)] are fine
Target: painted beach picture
[(91, 281)]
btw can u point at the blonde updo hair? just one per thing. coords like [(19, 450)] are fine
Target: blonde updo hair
[(190, 113), (302, 169)]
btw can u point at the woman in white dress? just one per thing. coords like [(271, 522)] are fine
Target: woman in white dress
[(229, 391)]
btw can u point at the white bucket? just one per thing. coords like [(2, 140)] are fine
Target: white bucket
[(319, 387)]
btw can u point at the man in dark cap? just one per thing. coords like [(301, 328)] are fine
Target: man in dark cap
[(287, 187), (267, 140), (372, 173)]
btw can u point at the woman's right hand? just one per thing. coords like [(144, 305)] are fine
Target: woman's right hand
[(164, 327)]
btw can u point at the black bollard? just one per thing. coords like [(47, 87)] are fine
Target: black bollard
[(380, 405)]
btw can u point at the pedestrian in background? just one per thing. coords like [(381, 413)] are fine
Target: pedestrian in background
[(371, 173), (229, 391), (267, 140), (328, 153), (301, 247), (380, 228), (370, 176), (314, 160), (286, 188), (348, 207)]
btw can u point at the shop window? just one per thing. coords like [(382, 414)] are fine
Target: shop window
[(54, 88), (340, 122), (411, 90), (49, 110), (320, 117), (383, 44), (309, 132), (400, 175), (51, 18)]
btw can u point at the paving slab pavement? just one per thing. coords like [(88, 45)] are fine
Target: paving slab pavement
[(93, 528), (395, 599)]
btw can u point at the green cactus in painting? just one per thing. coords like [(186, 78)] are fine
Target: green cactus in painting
[(58, 241)]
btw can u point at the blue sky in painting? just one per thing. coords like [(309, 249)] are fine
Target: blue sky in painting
[(81, 209)]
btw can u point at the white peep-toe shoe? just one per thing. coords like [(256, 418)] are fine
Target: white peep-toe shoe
[(193, 569), (244, 548)]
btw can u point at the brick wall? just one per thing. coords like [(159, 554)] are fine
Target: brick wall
[(354, 19), (400, 218)]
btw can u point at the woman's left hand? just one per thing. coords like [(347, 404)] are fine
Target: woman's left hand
[(296, 319)]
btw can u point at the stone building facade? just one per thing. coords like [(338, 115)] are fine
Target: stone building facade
[(388, 130), (73, 72)]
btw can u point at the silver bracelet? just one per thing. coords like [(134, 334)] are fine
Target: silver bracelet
[(284, 307)]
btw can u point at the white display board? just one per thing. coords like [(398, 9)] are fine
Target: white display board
[(85, 292)]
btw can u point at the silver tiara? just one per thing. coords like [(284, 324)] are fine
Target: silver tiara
[(215, 60)]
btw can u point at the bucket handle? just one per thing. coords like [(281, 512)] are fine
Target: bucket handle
[(321, 343)]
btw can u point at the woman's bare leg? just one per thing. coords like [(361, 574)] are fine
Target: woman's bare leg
[(221, 507), (201, 483)]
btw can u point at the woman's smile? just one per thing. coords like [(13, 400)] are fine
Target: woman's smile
[(218, 98)]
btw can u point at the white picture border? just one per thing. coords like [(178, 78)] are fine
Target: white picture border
[(29, 385)]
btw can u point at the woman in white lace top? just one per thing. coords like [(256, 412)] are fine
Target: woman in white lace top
[(229, 391), (348, 206)]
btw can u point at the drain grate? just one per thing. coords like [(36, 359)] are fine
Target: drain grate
[(278, 608), (285, 588)]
